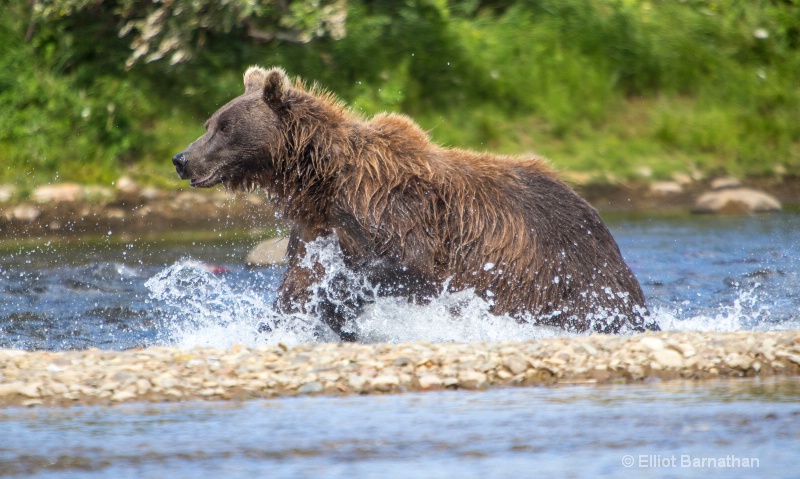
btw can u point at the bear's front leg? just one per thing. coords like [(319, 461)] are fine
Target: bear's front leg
[(303, 289)]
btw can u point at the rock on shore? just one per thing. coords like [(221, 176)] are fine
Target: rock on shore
[(269, 252), (729, 196), (157, 374)]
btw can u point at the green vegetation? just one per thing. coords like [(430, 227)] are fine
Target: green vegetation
[(613, 89)]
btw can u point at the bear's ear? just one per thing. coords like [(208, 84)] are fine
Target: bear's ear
[(276, 84), (254, 79)]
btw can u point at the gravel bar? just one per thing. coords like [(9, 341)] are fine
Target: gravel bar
[(157, 374)]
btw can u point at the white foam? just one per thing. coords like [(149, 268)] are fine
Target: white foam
[(203, 310), (452, 316), (749, 311), (458, 317)]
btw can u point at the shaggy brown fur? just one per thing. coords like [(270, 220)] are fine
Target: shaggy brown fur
[(413, 216)]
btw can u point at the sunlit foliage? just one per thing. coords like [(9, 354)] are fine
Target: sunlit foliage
[(614, 88)]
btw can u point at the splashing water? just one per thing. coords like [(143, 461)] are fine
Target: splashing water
[(698, 274), (748, 312), (452, 316), (205, 311), (461, 317)]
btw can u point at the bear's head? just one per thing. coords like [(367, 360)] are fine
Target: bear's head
[(242, 137)]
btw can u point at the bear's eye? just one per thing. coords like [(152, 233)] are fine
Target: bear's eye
[(225, 128)]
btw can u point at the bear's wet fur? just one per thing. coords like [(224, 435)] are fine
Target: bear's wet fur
[(412, 216)]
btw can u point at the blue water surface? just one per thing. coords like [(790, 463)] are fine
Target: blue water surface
[(749, 426), (698, 274)]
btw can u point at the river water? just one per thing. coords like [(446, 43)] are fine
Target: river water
[(698, 273), (749, 428)]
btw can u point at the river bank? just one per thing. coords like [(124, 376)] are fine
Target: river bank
[(159, 374), (70, 210)]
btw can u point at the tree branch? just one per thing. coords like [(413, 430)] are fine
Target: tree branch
[(266, 36)]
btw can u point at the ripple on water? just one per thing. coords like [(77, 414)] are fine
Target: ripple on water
[(576, 431)]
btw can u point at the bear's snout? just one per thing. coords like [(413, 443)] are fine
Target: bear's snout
[(180, 162)]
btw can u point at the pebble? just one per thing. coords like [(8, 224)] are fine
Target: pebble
[(123, 396), (668, 358), (385, 383), (471, 379), (430, 381), (11, 389), (313, 387), (686, 349), (516, 365), (653, 344), (160, 374)]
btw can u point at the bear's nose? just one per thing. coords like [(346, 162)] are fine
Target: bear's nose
[(179, 161)]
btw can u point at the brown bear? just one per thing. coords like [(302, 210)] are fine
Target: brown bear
[(413, 217)]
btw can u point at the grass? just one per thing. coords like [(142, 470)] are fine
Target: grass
[(614, 90)]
